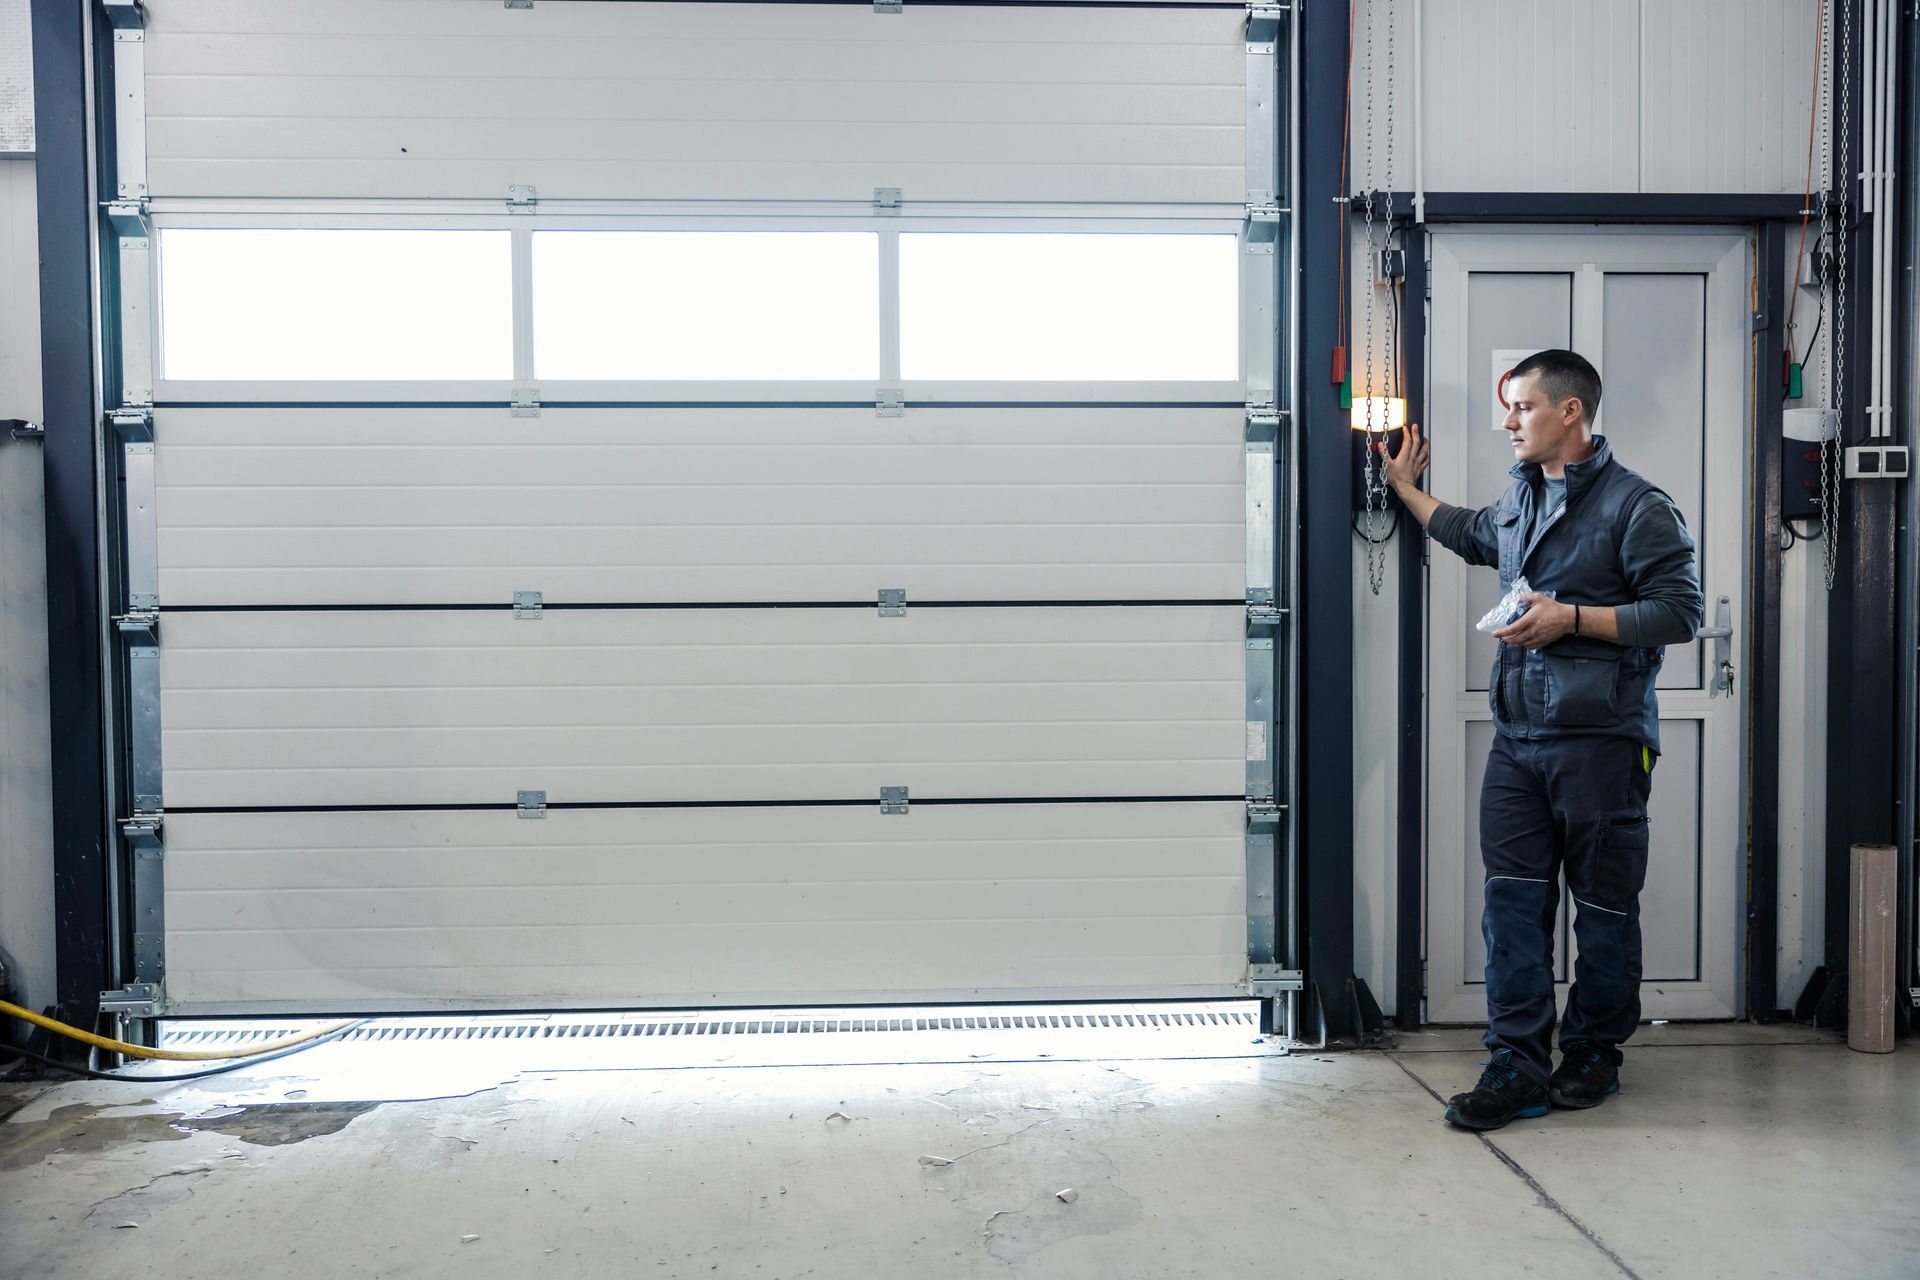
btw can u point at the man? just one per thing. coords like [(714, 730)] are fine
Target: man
[(1578, 730)]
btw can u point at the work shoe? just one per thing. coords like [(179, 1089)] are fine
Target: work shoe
[(1586, 1075), (1504, 1093)]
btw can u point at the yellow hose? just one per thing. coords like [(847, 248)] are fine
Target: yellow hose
[(170, 1055)]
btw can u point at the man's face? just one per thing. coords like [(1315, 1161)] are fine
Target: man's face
[(1539, 427)]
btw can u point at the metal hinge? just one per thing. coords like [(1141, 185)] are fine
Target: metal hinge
[(1264, 813), (1263, 26), (21, 429), (521, 197), (139, 622), (129, 218), (1264, 613), (1913, 994), (519, 4), (890, 402), (1264, 981), (135, 1000), (893, 602), (1263, 417), (132, 422), (526, 402), (886, 199), (529, 605), (530, 804), (888, 6), (126, 15), (893, 800), (1263, 222)]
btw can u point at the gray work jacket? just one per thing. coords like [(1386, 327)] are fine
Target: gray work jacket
[(1617, 540)]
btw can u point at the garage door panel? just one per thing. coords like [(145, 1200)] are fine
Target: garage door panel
[(676, 101), (435, 506), (448, 708), (485, 909)]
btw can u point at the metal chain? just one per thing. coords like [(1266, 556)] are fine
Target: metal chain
[(1830, 449), (1823, 268), (1375, 471)]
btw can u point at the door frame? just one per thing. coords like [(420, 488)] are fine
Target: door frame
[(1726, 256)]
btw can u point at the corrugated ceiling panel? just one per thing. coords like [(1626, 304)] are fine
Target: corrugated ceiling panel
[(763, 704), (410, 506), (449, 98), (727, 906)]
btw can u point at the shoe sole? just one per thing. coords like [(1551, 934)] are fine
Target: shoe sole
[(1454, 1118), (1562, 1101)]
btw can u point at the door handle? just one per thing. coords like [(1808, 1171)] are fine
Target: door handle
[(1721, 633)]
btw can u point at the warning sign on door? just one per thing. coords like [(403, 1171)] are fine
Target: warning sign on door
[(1504, 358)]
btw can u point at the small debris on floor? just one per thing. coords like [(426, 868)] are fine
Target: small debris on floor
[(127, 1226), (934, 1160), (1066, 1195), (840, 1115), (468, 1239)]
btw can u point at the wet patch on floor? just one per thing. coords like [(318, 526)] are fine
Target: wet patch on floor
[(83, 1129), (278, 1124)]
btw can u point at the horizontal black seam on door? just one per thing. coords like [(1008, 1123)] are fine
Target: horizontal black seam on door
[(868, 802), (637, 606), (698, 404), (976, 4)]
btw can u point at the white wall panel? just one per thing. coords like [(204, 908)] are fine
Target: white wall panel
[(1588, 95), (448, 98), (317, 506), (721, 906), (762, 704), (1725, 95)]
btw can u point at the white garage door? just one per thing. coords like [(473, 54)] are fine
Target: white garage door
[(659, 504)]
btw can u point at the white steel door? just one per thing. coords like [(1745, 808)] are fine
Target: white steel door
[(1663, 316)]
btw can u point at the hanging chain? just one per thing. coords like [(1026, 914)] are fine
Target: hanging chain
[(1378, 418), (1823, 267), (1831, 448)]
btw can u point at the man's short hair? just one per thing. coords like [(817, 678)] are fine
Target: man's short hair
[(1563, 374)]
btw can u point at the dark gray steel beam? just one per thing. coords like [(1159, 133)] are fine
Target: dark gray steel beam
[(65, 176), (1763, 661)]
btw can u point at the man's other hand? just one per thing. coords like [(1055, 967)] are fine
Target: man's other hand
[(1545, 621), (1405, 468)]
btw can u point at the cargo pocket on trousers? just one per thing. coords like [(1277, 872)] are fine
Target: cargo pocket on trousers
[(1581, 688), (1624, 838)]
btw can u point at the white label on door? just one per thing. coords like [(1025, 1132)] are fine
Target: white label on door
[(1256, 740), (1504, 358)]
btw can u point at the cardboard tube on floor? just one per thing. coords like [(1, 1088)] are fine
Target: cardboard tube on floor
[(1870, 968)]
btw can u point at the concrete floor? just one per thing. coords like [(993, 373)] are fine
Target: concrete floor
[(1734, 1151)]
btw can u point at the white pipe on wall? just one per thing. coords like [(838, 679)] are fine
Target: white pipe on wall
[(1419, 119)]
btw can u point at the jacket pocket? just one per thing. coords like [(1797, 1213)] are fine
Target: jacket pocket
[(1582, 688)]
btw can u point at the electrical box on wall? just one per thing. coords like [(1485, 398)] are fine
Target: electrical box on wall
[(1804, 431)]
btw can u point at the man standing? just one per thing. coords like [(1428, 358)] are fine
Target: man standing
[(1578, 730)]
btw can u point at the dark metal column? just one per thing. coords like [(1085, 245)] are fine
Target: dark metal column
[(1410, 986), (65, 175), (1763, 650), (1326, 590)]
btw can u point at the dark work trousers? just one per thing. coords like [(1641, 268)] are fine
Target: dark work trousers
[(1578, 803)]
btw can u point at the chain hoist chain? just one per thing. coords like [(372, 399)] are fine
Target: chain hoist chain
[(1830, 449), (1378, 418), (1823, 269)]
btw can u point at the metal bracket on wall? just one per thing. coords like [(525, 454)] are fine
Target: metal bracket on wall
[(1263, 26), (529, 606), (1265, 981), (893, 800), (1263, 224), (530, 804), (135, 1000), (888, 6), (21, 429), (893, 602)]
